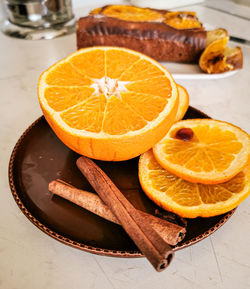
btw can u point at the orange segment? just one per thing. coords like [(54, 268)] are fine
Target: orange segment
[(117, 61), (199, 161), (159, 86), (187, 199), (92, 64), (120, 118), (91, 110), (146, 105), (142, 69), (203, 150), (87, 115), (220, 159), (60, 98), (64, 74)]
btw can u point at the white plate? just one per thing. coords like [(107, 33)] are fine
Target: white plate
[(192, 71)]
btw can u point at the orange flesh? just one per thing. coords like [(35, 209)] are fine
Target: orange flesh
[(91, 64), (190, 194), (152, 105), (87, 115), (216, 150), (60, 98)]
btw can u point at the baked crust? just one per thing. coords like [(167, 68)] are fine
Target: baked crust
[(155, 39)]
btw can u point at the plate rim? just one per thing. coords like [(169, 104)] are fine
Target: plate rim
[(204, 76), (81, 246)]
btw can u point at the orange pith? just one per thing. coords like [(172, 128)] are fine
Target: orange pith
[(108, 103), (187, 199), (216, 152)]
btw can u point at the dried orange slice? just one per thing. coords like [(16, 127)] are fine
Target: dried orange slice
[(108, 103), (216, 34), (203, 150), (187, 199), (132, 13), (177, 19), (182, 20), (218, 57), (183, 102)]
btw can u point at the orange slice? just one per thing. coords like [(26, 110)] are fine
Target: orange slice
[(108, 103), (203, 150), (183, 103), (187, 199)]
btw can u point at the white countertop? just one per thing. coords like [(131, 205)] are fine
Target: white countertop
[(29, 259)]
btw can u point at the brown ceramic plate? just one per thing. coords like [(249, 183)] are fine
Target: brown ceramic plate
[(40, 157)]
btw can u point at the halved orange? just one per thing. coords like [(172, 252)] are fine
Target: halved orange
[(203, 150), (183, 102), (187, 199), (108, 103)]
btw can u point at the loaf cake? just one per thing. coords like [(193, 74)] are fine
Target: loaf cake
[(163, 35), (148, 32)]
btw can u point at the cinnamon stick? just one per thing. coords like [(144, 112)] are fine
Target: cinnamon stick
[(170, 232), (157, 251)]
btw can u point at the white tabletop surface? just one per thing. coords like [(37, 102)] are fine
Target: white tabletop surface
[(30, 259)]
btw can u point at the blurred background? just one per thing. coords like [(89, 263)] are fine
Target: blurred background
[(239, 7)]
